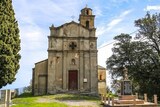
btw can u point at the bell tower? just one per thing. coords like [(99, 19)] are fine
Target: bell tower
[(86, 18)]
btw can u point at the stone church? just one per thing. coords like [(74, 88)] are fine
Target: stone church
[(72, 59)]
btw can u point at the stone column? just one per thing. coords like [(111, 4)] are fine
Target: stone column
[(64, 71), (81, 70), (94, 73), (51, 74), (86, 71)]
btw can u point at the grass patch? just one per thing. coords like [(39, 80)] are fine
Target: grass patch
[(75, 97), (27, 100), (24, 95), (55, 104)]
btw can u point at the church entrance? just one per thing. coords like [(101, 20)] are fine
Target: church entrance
[(73, 80)]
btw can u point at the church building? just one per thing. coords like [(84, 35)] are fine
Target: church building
[(72, 59)]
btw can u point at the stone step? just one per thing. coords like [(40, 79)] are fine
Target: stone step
[(127, 97), (129, 101)]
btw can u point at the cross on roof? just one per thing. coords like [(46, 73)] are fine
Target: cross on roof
[(86, 5), (72, 45)]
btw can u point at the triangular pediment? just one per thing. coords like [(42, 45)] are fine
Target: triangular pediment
[(71, 24), (72, 29)]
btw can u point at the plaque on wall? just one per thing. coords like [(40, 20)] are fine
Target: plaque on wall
[(126, 88), (85, 80)]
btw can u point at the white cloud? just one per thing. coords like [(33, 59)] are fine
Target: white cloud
[(97, 11), (116, 21), (32, 37), (125, 13), (46, 11), (108, 27), (113, 23), (149, 8)]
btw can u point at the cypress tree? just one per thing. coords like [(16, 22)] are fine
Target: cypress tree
[(9, 43)]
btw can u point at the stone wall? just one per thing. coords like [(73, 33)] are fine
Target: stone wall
[(40, 77)]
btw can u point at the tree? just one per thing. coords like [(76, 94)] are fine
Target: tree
[(149, 31), (141, 57), (9, 43)]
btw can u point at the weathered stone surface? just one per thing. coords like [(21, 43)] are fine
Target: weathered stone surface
[(71, 47)]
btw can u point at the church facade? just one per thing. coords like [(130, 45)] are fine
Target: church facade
[(72, 59)]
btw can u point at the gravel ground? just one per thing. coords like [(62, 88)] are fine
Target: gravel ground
[(82, 103)]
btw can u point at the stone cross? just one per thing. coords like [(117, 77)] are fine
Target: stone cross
[(72, 45), (86, 5)]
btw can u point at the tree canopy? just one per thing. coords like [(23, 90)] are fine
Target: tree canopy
[(9, 43), (140, 56)]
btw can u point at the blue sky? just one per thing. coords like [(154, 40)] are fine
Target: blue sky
[(36, 16)]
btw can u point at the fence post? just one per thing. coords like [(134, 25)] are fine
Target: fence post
[(102, 98), (8, 98), (145, 97), (0, 94), (108, 100), (5, 98), (134, 100), (155, 99), (112, 101), (136, 95)]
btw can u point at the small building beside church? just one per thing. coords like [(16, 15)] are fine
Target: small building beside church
[(101, 80), (72, 59)]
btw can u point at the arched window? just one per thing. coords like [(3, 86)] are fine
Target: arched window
[(87, 24), (100, 77), (87, 12), (73, 62)]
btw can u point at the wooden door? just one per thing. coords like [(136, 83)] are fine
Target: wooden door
[(42, 85), (73, 80)]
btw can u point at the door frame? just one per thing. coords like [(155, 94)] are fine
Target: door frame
[(69, 71), (45, 85)]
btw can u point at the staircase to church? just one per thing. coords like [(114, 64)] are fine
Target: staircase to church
[(128, 101)]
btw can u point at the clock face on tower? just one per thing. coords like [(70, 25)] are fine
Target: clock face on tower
[(72, 45)]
